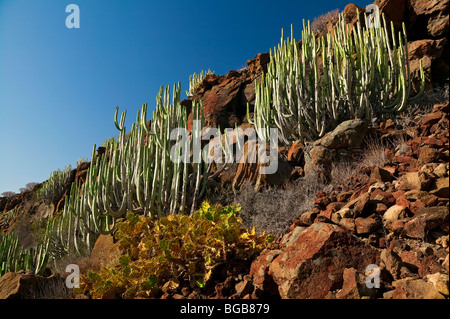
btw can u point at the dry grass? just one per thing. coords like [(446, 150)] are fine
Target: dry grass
[(272, 209)]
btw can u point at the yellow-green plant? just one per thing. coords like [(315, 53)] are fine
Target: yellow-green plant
[(172, 251), (312, 86)]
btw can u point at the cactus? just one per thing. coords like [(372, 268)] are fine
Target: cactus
[(53, 189), (14, 258), (195, 80), (364, 73), (135, 174)]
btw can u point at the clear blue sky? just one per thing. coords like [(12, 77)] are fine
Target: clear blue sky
[(59, 87)]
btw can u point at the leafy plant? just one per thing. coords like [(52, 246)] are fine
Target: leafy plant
[(172, 251)]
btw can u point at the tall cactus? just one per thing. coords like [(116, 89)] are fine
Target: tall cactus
[(14, 258), (195, 80), (313, 86), (136, 173)]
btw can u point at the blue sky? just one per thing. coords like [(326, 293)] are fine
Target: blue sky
[(59, 87)]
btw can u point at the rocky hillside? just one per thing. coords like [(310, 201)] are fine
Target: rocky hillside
[(386, 220)]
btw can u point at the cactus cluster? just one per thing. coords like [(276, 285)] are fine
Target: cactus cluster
[(195, 80), (53, 189), (313, 85), (136, 174), (14, 258)]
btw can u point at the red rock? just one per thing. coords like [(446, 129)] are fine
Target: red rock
[(409, 257), (244, 287), (335, 206), (416, 206), (392, 262), (401, 201), (380, 175), (259, 271), (308, 218), (322, 202), (343, 197), (105, 251), (428, 155), (393, 10), (426, 219), (258, 64), (429, 266), (309, 261), (415, 289), (327, 213), (295, 151), (391, 169), (354, 285), (30, 286), (441, 188), (384, 197), (348, 224), (366, 225)]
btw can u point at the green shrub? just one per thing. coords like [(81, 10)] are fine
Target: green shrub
[(173, 250)]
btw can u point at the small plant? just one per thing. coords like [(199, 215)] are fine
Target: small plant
[(172, 251)]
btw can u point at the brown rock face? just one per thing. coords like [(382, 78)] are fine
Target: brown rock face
[(336, 145), (105, 251), (426, 219), (30, 286), (319, 255), (225, 97), (415, 289), (429, 18), (247, 171)]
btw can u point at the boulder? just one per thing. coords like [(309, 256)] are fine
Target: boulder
[(427, 219), (380, 175), (409, 288), (319, 255), (246, 171), (336, 145), (106, 252), (354, 285), (428, 18), (31, 286), (440, 282), (259, 272)]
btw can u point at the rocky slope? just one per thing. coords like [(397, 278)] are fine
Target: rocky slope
[(395, 219)]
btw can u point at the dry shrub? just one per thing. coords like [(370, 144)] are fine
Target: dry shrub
[(320, 23), (272, 209)]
